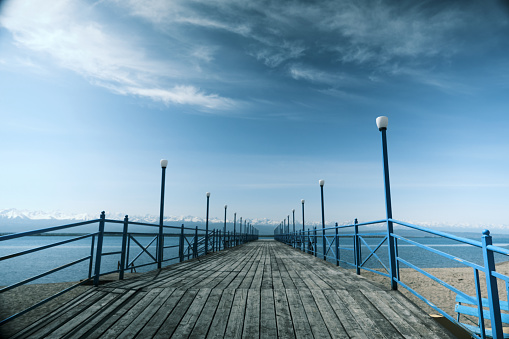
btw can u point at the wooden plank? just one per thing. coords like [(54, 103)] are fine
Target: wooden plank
[(249, 277), (252, 316), (285, 277), (421, 317), (406, 329), (161, 315), (172, 321), (336, 329), (220, 320), (241, 275), (106, 322), (299, 318), (187, 322), (277, 281), (93, 324), (353, 329), (267, 275), (268, 326), (144, 316), (92, 311), (56, 322), (236, 319), (56, 314), (130, 312), (316, 321), (292, 267), (258, 276), (283, 317), (204, 321), (374, 327)]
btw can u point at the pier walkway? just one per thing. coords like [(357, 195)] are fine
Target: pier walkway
[(263, 289)]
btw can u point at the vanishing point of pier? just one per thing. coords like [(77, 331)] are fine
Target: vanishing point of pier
[(263, 289)]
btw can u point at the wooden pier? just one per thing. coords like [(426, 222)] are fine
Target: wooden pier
[(262, 289)]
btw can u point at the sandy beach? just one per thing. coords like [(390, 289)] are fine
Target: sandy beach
[(461, 278)]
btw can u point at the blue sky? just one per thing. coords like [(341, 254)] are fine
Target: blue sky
[(255, 102)]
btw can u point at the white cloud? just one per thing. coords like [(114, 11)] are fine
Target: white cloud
[(184, 95), (71, 34), (299, 71)]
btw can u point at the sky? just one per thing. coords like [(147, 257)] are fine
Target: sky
[(255, 102)]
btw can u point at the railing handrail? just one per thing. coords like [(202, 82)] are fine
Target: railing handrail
[(196, 246), (45, 230), (307, 240)]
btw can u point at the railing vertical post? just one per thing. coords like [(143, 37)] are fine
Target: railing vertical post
[(195, 244), (315, 241), (99, 251), (337, 246), (91, 264), (309, 241), (294, 234), (181, 244), (491, 286), (234, 229), (124, 245), (357, 250), (214, 238)]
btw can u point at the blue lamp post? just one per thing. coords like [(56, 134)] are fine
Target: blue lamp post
[(207, 226), (321, 182), (303, 229), (382, 123), (160, 242)]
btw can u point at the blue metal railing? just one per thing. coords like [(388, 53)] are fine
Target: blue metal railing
[(192, 243), (363, 253)]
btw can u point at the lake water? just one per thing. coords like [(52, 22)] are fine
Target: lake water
[(20, 268), (23, 267)]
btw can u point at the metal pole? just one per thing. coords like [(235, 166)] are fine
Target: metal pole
[(337, 246), (323, 223), (388, 209), (124, 245), (195, 244), (160, 240), (99, 249), (181, 244), (303, 229), (207, 226), (234, 230), (357, 249), (491, 286)]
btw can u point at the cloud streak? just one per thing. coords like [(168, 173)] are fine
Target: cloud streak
[(203, 45), (69, 33)]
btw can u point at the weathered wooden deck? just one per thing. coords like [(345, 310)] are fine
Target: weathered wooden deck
[(260, 290)]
